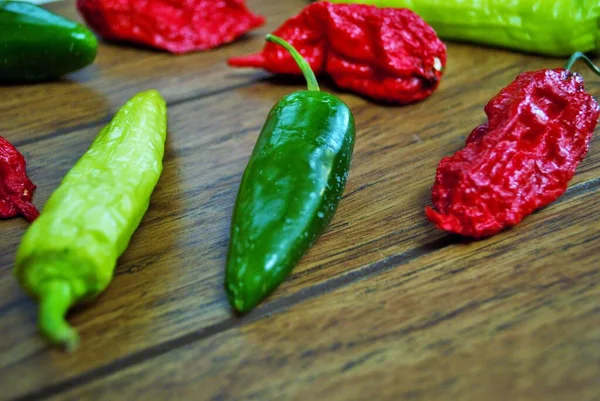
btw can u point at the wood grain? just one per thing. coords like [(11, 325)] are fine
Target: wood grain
[(167, 293), (94, 94), (169, 282), (509, 318)]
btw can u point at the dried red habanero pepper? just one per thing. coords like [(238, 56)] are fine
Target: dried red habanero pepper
[(178, 26), (16, 190), (538, 130), (386, 54)]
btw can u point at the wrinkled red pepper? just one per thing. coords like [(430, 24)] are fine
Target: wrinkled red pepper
[(16, 190), (386, 54), (178, 26), (538, 130)]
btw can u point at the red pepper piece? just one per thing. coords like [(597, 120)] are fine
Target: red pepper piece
[(16, 190), (538, 130), (386, 54), (178, 26)]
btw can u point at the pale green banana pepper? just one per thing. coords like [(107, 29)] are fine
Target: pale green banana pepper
[(553, 28), (69, 253)]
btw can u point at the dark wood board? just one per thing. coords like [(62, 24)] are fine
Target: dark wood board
[(431, 316)]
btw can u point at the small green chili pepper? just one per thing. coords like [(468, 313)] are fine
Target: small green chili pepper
[(37, 45), (554, 28), (290, 188), (68, 255)]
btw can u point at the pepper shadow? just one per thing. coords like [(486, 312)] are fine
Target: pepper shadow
[(247, 37), (33, 112), (327, 84), (325, 81), (118, 44)]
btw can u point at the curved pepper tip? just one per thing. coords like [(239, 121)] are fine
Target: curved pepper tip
[(236, 302), (150, 94), (55, 300), (239, 306), (253, 60), (241, 301), (443, 222)]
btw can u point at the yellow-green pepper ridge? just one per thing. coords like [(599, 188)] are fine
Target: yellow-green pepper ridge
[(554, 28), (69, 253)]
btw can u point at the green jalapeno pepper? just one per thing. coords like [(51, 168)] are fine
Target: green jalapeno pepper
[(553, 28), (37, 45), (290, 188), (68, 255)]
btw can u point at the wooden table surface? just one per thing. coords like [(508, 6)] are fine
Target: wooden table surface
[(384, 307)]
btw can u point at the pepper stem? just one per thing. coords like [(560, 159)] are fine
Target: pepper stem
[(308, 73), (55, 301), (580, 56)]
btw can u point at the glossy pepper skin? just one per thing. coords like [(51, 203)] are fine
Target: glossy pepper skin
[(554, 28), (538, 130), (177, 26), (384, 54), (289, 191), (16, 189), (37, 45), (68, 255)]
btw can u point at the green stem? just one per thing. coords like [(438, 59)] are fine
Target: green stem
[(55, 301), (580, 56), (308, 73)]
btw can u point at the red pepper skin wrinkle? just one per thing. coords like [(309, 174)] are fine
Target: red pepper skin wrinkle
[(178, 26), (16, 190), (539, 129), (386, 54)]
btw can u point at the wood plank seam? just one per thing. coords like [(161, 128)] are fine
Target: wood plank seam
[(276, 306)]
